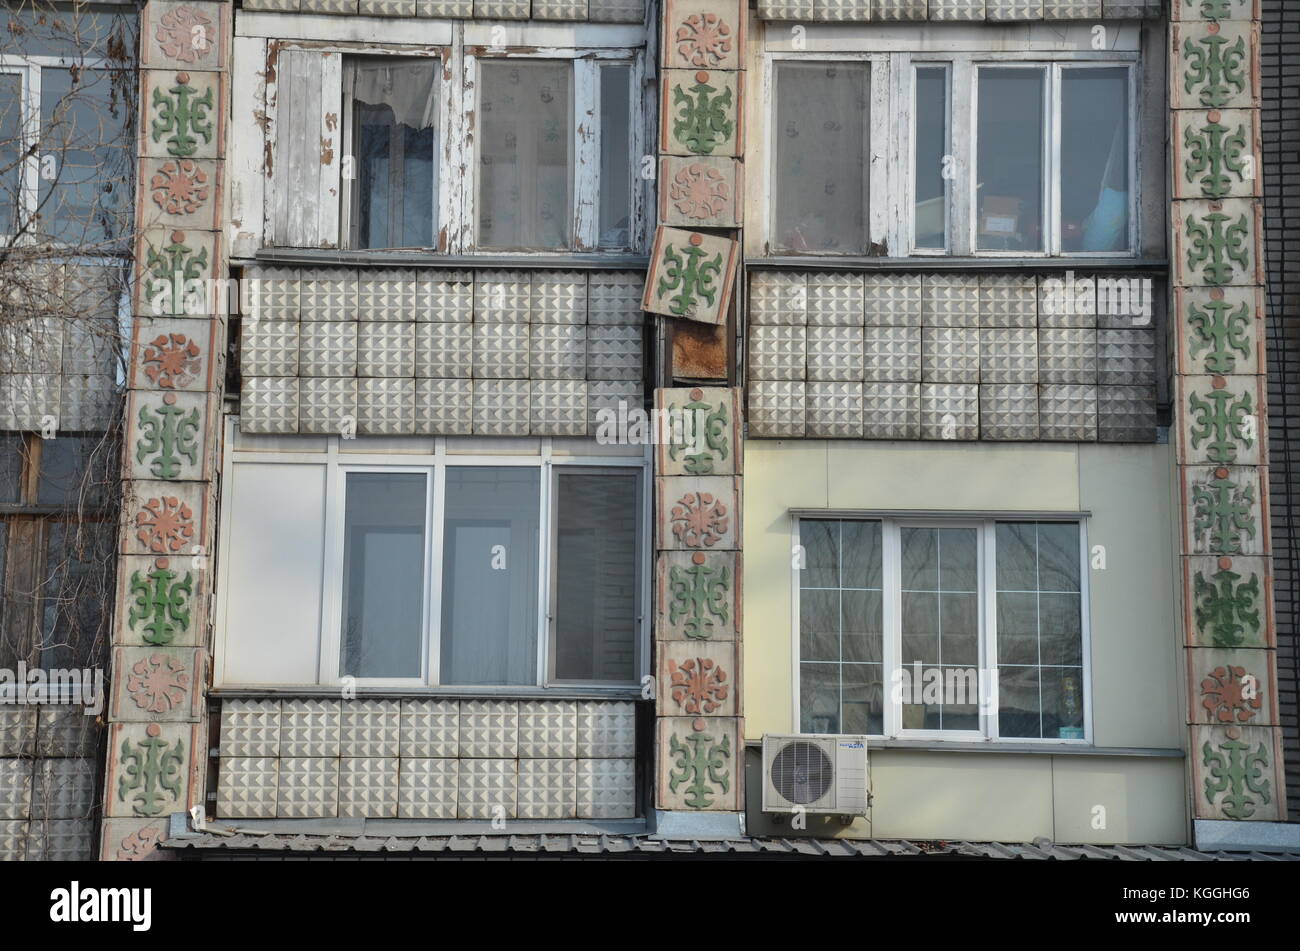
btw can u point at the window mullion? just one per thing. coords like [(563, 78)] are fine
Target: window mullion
[(881, 133), (31, 136), (433, 611), (586, 153), (962, 143), (467, 145), (989, 635), (892, 652), (545, 560), (1053, 160)]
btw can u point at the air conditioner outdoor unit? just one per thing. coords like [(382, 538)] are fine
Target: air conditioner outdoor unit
[(820, 774)]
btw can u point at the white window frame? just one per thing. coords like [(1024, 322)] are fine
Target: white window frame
[(892, 650), (436, 466)]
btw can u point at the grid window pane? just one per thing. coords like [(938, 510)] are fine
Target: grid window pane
[(383, 574), (1094, 159), (525, 155), (930, 211), (1009, 164), (615, 158), (821, 157), (11, 148)]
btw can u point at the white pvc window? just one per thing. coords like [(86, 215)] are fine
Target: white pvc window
[(945, 629)]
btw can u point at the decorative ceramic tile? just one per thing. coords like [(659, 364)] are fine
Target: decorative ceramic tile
[(892, 300), (1009, 355), (167, 436), (949, 411), (61, 840), (845, 11), (185, 35), (559, 9), (547, 729), (386, 407), (180, 193), (29, 402), (1015, 9), (287, 6), (15, 789), (1009, 411), (777, 298), (1008, 300), (714, 441), (150, 770), (13, 840), (1069, 9), (558, 408), (451, 298), (328, 348), (503, 297), (778, 352), (66, 730), (701, 112), (368, 787), (835, 354), (616, 11), (1128, 303), (444, 407), (1067, 301), (1236, 773), (690, 275), (700, 191), (444, 350), (899, 9), (427, 788), (369, 728), (1126, 357), (489, 728), (385, 349), (184, 115), (714, 741), (704, 34), (892, 354), (388, 8), (546, 789), (1219, 420), (891, 410), (157, 683), (327, 405), (1067, 356), (697, 679), (777, 409), (697, 596), (268, 404), (950, 355), (951, 300), (462, 9), (1218, 10), (1217, 242), (86, 402), (606, 788), (1219, 329), (1126, 413), (559, 351), (272, 293), (268, 348), (1228, 607), (1224, 506), (559, 297), (329, 294), (501, 9), (64, 789), (614, 352), (835, 300), (956, 9), (501, 351), (328, 6), (309, 787), (161, 601), (606, 729), (1067, 412), (793, 10), (608, 402), (31, 345), (17, 731), (697, 512), (250, 728), (309, 728), (430, 729), (247, 787), (614, 297), (1214, 154), (131, 840), (1215, 67), (488, 789), (502, 407)]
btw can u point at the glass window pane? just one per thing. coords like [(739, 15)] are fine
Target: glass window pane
[(383, 574), (820, 539), (920, 555), (862, 625), (489, 575), (72, 471), (83, 133), (394, 130), (1009, 165), (11, 148), (596, 577), (930, 222), (78, 586), (821, 158), (819, 698), (1094, 159), (863, 556), (615, 157), (12, 453), (1017, 556), (864, 699), (525, 155), (819, 625), (1017, 628), (1058, 556)]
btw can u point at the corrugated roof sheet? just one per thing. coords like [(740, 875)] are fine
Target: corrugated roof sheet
[(619, 845)]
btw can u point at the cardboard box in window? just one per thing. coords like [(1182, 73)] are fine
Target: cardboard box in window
[(1000, 216)]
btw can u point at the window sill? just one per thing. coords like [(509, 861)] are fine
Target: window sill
[(1007, 747), (439, 693), (330, 257), (837, 262)]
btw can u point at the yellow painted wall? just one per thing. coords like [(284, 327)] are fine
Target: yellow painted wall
[(1134, 631)]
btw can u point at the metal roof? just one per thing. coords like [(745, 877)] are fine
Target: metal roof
[(556, 845)]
